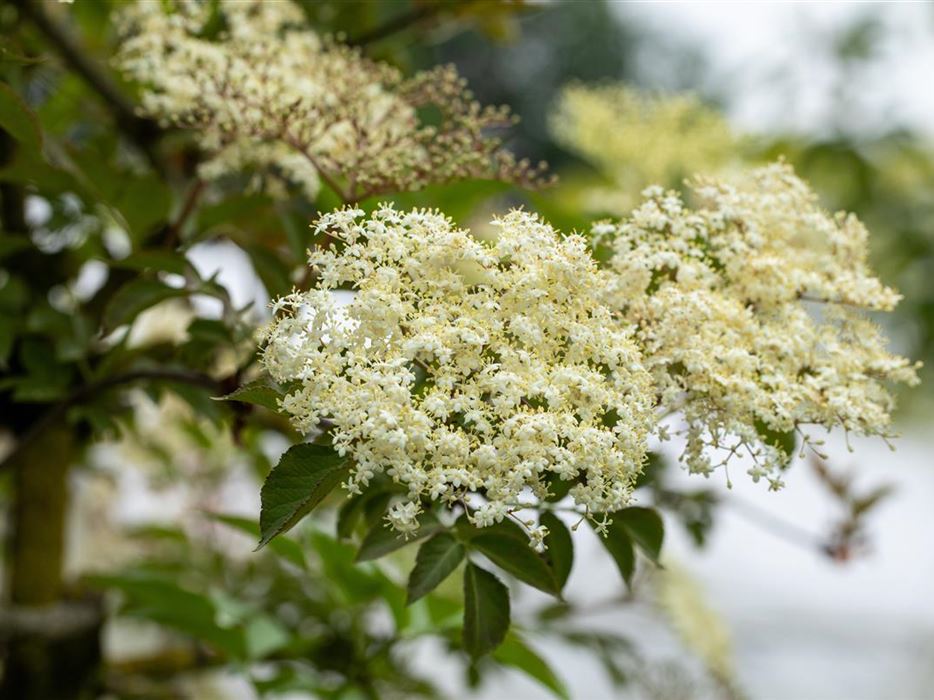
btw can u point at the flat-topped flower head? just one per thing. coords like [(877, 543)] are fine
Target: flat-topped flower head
[(637, 138), (750, 311), (461, 367), (262, 89)]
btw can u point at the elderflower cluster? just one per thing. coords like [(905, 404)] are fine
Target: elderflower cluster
[(462, 366), (265, 91), (750, 317), (637, 138)]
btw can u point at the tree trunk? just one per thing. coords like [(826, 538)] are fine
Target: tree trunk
[(52, 646)]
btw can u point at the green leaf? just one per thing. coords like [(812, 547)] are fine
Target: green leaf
[(12, 244), (18, 120), (163, 601), (486, 611), (560, 547), (784, 441), (260, 393), (381, 540), (645, 527), (617, 542), (135, 297), (263, 635), (516, 557), (436, 560), (516, 653), (160, 260), (288, 549), (271, 270), (305, 474), (367, 507)]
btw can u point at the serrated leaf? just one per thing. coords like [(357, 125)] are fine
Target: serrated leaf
[(517, 558), (559, 552), (135, 297), (305, 474), (259, 393), (18, 120), (645, 527), (436, 560), (381, 539), (486, 611), (516, 653)]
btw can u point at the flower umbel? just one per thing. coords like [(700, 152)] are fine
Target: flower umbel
[(638, 138), (750, 316), (461, 367), (265, 90)]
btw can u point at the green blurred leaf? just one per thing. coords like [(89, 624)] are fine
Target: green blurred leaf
[(157, 598), (559, 552), (158, 260), (133, 298), (305, 474), (486, 611), (272, 271), (18, 120), (263, 635), (436, 560), (12, 244), (288, 549), (516, 653)]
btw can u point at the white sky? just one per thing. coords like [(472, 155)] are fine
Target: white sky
[(773, 60)]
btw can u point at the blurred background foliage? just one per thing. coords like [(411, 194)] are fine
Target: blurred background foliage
[(104, 225)]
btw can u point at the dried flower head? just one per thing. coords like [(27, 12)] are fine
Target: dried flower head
[(749, 312), (463, 367), (263, 89), (638, 138)]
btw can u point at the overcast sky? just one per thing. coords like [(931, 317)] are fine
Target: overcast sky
[(774, 60)]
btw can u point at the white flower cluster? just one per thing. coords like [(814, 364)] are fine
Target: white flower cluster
[(262, 89), (638, 138), (461, 366), (749, 316)]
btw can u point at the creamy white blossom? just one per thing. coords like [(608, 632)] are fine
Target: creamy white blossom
[(462, 367), (266, 93), (750, 315), (638, 138)]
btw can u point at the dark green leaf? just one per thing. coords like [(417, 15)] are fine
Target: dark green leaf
[(12, 244), (18, 120), (159, 260), (784, 441), (135, 297), (516, 653), (367, 507), (558, 488), (273, 273), (517, 558), (618, 543), (381, 539), (560, 547), (436, 559), (303, 477), (260, 393), (486, 611), (645, 527)]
